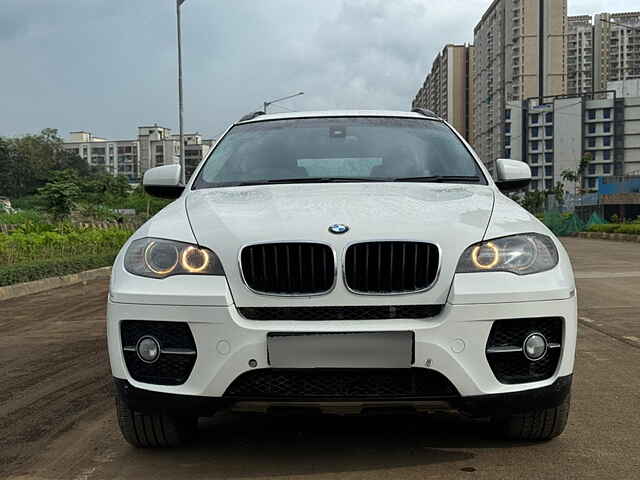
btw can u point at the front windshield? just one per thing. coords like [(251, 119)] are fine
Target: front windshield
[(339, 149)]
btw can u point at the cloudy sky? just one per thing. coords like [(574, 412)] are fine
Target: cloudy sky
[(108, 66)]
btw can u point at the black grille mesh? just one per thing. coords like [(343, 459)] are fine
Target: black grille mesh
[(390, 267), (515, 367), (288, 268), (374, 312), (169, 369), (344, 384)]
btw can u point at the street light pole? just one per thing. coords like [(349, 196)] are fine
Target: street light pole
[(266, 104), (183, 173)]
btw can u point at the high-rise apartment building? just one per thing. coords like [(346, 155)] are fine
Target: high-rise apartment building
[(446, 88), (154, 146), (579, 54), (519, 53), (616, 48), (605, 49)]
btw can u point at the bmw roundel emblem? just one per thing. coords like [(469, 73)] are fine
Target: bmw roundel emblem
[(338, 228)]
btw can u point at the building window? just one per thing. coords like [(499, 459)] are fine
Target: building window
[(535, 145), (548, 171), (507, 114), (533, 158), (591, 182), (535, 118), (592, 169), (534, 185), (592, 128), (591, 114), (606, 127), (606, 155), (535, 131), (548, 131), (507, 128), (606, 113), (591, 142), (507, 141), (549, 117), (606, 141), (548, 184), (548, 157), (534, 171), (606, 168), (548, 144)]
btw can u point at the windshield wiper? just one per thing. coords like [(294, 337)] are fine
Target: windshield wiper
[(441, 179), (302, 180), (327, 180)]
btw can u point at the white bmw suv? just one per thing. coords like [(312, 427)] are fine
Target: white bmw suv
[(341, 260)]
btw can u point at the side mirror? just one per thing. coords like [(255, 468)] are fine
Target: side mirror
[(512, 174), (163, 182)]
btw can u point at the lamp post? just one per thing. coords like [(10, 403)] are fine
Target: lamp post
[(183, 174), (266, 104)]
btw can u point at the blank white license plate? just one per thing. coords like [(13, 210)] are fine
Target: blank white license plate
[(340, 350)]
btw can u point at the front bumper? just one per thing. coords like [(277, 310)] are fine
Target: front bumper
[(500, 404), (452, 343)]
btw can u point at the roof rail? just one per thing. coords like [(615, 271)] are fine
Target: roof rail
[(425, 112), (251, 116)]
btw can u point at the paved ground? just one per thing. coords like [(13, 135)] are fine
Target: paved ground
[(57, 418)]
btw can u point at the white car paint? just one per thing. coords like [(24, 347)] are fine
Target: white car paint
[(454, 216)]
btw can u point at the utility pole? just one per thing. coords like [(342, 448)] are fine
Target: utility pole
[(183, 166)]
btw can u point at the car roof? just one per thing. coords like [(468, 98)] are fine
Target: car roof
[(338, 113)]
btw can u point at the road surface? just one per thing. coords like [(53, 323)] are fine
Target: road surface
[(57, 415)]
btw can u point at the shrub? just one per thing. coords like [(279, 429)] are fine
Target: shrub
[(628, 228), (605, 227), (19, 218), (63, 241), (38, 270)]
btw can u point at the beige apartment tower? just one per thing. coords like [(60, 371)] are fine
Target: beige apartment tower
[(446, 88), (519, 53), (602, 50)]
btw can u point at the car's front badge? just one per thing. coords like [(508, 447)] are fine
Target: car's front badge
[(338, 228)]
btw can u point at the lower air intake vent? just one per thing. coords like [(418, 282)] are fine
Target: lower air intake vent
[(505, 349), (177, 351), (345, 384)]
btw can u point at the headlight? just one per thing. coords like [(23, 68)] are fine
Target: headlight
[(521, 254), (158, 258)]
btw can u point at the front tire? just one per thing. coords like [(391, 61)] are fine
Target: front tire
[(535, 425), (154, 430)]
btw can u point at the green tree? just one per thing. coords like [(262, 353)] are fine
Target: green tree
[(59, 196), (27, 163), (533, 201), (558, 193), (577, 176)]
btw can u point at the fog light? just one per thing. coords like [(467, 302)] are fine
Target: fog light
[(148, 349), (535, 346)]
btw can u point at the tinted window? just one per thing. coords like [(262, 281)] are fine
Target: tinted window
[(355, 147)]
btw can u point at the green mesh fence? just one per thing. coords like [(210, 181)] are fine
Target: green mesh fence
[(595, 219), (563, 225)]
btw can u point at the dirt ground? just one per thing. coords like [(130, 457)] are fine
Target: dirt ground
[(57, 416)]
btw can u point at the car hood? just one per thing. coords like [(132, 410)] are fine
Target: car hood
[(452, 216)]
